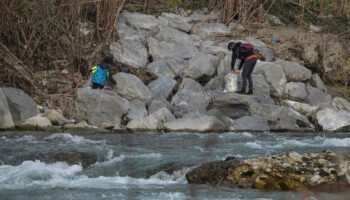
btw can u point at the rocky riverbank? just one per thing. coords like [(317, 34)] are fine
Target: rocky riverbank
[(183, 52), (276, 173)]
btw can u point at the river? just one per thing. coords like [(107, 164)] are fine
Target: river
[(132, 166)]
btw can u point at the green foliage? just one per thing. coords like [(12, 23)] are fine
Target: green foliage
[(174, 3)]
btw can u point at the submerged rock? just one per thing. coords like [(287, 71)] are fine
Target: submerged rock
[(276, 173), (83, 159)]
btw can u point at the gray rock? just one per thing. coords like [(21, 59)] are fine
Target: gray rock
[(140, 21), (302, 108), (137, 110), (36, 123), (153, 122), (101, 106), (296, 91), (341, 104), (201, 65), (294, 71), (216, 83), (129, 34), (282, 118), (317, 97), (131, 53), (20, 104), (274, 20), (199, 124), (209, 47), (279, 118), (172, 35), (82, 125), (6, 121), (317, 82), (206, 30), (162, 87), (251, 123), (261, 87), (225, 64), (167, 67), (223, 118), (158, 103), (194, 86), (131, 87), (198, 17), (274, 75), (333, 120), (235, 105), (177, 21), (170, 50), (186, 101)]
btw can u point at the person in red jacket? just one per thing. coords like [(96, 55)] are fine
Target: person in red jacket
[(245, 52)]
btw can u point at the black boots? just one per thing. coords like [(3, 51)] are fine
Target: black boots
[(250, 92), (242, 91)]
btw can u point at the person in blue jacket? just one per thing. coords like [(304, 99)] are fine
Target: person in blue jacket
[(100, 73)]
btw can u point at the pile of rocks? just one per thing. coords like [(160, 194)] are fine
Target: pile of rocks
[(276, 173), (187, 96)]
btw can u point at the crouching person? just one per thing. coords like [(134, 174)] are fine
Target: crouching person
[(100, 73)]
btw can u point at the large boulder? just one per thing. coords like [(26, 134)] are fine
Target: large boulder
[(302, 108), (205, 30), (56, 118), (6, 121), (224, 64), (137, 110), (251, 123), (140, 21), (279, 118), (202, 123), (170, 50), (317, 97), (157, 103), (167, 67), (216, 83), (20, 104), (341, 104), (203, 65), (130, 34), (274, 75), (186, 101), (101, 106), (260, 87), (152, 122), (177, 21), (334, 120), (317, 82), (131, 87), (172, 35), (190, 98), (162, 87), (131, 53), (223, 118), (296, 91), (294, 71), (210, 47)]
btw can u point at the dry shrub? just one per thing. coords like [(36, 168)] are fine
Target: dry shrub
[(41, 39)]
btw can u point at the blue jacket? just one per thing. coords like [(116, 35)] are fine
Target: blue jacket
[(100, 73)]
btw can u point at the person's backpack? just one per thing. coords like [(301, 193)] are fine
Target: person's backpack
[(247, 46)]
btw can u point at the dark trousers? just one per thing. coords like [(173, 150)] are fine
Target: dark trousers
[(97, 86), (247, 73)]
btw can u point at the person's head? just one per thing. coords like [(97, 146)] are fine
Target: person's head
[(108, 60), (230, 46)]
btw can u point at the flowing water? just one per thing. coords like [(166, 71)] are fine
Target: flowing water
[(142, 166)]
